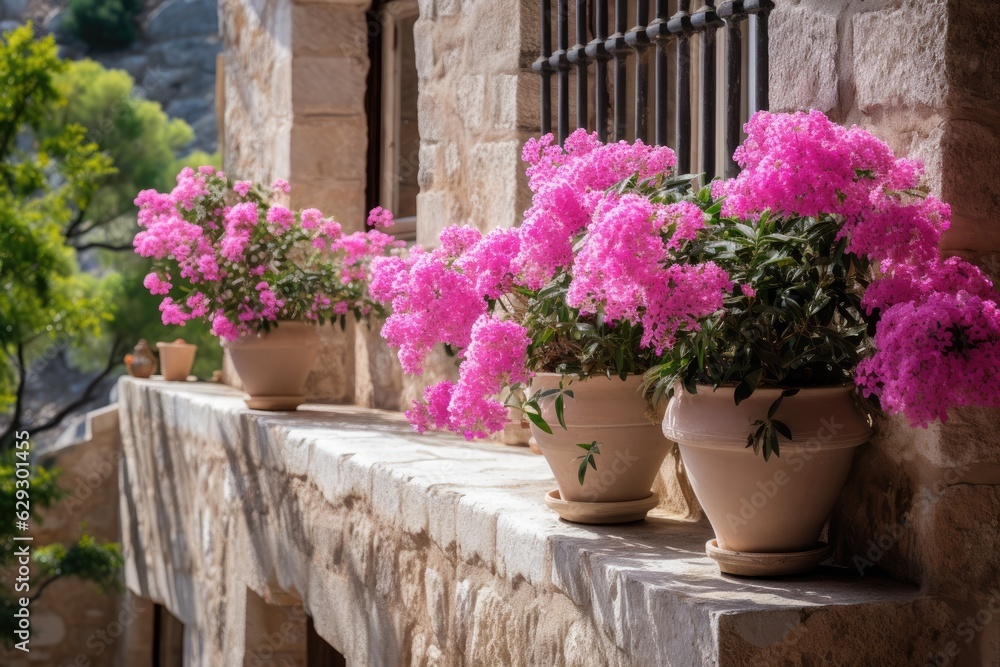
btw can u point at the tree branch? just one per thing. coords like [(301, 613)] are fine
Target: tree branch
[(118, 247), (70, 231), (87, 394), (45, 584), (15, 420)]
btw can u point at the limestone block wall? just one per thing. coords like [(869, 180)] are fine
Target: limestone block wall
[(925, 77), (294, 100), (294, 82), (477, 105)]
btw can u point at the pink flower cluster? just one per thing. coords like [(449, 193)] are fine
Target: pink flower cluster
[(936, 343), (243, 260), (617, 251), (803, 164), (568, 185), (625, 269), (496, 357), (432, 302), (935, 354)]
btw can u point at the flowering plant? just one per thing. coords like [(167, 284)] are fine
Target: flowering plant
[(587, 285), (831, 245), (225, 252)]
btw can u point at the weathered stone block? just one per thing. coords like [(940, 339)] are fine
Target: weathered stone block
[(498, 51), (326, 29), (971, 189), (329, 148), (803, 39), (884, 58), (433, 215), (962, 542), (328, 85), (492, 177), (343, 200), (973, 53), (431, 114), (505, 101), (471, 100), (423, 47)]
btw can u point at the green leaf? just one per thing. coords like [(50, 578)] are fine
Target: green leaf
[(539, 421), (559, 411), (782, 428), (747, 386), (774, 406)]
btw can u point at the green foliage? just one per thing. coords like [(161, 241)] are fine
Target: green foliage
[(566, 342), (103, 24), (803, 327), (136, 133), (133, 132), (99, 562), (63, 127), (45, 175), (593, 450)]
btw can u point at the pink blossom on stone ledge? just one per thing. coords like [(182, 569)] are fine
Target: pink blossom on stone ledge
[(245, 263), (607, 258)]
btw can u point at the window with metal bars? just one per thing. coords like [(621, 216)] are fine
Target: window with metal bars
[(657, 77)]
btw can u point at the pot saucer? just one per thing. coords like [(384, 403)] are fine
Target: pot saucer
[(274, 403), (750, 564), (597, 513)]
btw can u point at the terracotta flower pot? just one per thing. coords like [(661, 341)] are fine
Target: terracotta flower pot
[(775, 506), (273, 366), (612, 412), (176, 359)]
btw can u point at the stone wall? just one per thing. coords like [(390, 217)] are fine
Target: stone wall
[(73, 623), (478, 102), (294, 87), (427, 550), (923, 76)]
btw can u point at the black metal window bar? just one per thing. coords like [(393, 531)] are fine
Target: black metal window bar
[(667, 38)]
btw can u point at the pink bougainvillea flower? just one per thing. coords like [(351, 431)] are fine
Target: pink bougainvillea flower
[(380, 217)]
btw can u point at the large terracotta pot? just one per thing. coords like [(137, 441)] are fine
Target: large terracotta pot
[(176, 359), (612, 412), (771, 506), (273, 366)]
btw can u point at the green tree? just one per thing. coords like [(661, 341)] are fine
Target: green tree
[(142, 140), (134, 132), (46, 176), (103, 24), (66, 125)]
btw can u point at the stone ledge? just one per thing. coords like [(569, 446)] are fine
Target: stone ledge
[(409, 549)]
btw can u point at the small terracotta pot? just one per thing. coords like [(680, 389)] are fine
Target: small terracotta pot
[(612, 412), (775, 506), (176, 359), (273, 366)]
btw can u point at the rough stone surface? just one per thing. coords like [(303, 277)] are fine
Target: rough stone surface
[(802, 37), (73, 622), (173, 62), (473, 115), (173, 18), (884, 59), (408, 549)]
